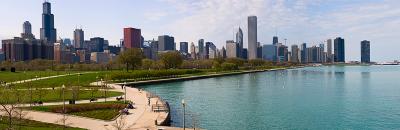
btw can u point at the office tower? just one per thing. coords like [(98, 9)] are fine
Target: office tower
[(48, 32), (166, 43), (282, 53), (212, 50), (252, 37), (201, 49), (365, 51), (132, 38), (206, 50), (97, 44), (339, 50), (231, 48), (193, 51), (259, 50), (239, 41), (154, 49), (304, 53), (295, 54), (275, 40), (27, 30), (269, 52), (321, 53), (329, 50), (223, 51), (184, 47), (79, 38), (67, 42)]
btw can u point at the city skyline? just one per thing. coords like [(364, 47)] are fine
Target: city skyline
[(93, 25)]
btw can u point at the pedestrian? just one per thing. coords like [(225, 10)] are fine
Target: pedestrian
[(148, 99)]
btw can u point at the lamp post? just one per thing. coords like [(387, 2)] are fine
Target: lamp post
[(63, 91), (183, 105), (124, 86)]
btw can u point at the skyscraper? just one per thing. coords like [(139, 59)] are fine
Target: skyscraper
[(239, 41), (27, 28), (184, 47), (48, 32), (304, 57), (79, 38), (97, 44), (193, 51), (201, 49), (269, 52), (231, 48), (132, 38), (166, 43), (329, 50), (365, 51), (295, 54), (339, 50), (275, 40), (252, 37)]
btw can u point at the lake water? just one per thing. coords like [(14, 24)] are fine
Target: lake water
[(329, 97)]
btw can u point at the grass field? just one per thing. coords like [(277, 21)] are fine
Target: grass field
[(56, 95), (99, 110), (71, 80), (31, 125), (8, 76)]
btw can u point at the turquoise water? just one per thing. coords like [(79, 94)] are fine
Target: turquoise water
[(332, 97)]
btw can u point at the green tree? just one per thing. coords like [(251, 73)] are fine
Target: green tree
[(256, 62), (237, 61), (147, 64), (131, 58), (172, 59)]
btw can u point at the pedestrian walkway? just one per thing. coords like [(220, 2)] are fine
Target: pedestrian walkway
[(142, 117)]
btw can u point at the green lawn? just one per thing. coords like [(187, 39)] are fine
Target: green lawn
[(54, 95), (99, 110), (21, 75), (32, 125), (72, 80)]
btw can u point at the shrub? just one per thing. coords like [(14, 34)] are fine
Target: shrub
[(229, 66), (86, 107)]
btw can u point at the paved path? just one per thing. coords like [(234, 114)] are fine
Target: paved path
[(140, 118), (42, 78)]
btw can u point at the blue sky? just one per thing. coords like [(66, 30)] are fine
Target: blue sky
[(310, 21)]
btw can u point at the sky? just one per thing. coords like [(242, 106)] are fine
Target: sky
[(298, 21)]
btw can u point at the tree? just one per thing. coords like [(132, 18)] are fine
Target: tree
[(131, 58), (256, 62), (172, 59), (11, 102), (236, 61), (147, 64)]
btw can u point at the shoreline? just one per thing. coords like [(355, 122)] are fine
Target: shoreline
[(137, 84)]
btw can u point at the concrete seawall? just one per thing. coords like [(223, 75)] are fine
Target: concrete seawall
[(158, 81)]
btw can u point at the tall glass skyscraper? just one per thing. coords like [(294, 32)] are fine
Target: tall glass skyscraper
[(365, 51), (239, 41), (252, 37), (48, 32), (339, 50), (79, 38), (275, 40)]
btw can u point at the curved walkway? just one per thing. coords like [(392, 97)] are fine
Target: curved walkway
[(140, 118)]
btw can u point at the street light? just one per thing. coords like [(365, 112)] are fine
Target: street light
[(63, 91), (124, 86), (183, 104)]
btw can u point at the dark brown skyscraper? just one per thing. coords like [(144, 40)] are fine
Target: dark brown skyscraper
[(132, 38)]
